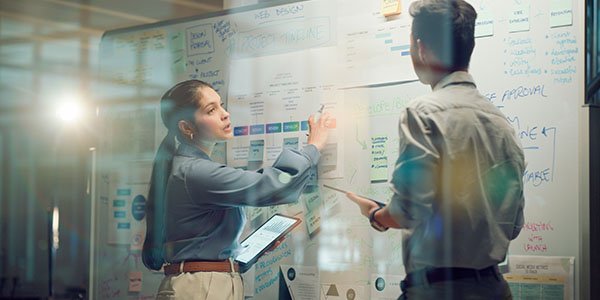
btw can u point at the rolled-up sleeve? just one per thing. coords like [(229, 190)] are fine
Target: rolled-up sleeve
[(211, 183), (415, 174), (519, 222)]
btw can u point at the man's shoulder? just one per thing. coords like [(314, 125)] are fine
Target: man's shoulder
[(445, 99), (428, 103)]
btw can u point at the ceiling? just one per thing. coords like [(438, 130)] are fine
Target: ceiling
[(49, 46)]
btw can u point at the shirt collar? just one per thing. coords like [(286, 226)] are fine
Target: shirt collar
[(186, 149), (458, 77)]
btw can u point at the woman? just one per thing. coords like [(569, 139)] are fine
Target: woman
[(195, 206)]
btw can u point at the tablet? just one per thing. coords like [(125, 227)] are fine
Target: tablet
[(263, 238)]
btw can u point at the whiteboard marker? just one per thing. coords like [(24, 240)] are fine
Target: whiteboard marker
[(317, 115), (381, 204), (319, 112)]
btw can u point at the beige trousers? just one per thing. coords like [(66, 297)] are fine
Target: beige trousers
[(202, 286)]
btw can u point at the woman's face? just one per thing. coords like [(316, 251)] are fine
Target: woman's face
[(212, 120)]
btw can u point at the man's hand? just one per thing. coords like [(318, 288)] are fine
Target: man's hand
[(366, 206)]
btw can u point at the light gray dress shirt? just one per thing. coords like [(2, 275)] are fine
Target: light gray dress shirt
[(205, 200), (458, 187)]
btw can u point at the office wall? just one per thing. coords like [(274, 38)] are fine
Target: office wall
[(277, 64)]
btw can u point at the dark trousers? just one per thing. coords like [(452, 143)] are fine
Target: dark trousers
[(455, 284)]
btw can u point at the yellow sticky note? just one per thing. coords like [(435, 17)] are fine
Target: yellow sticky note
[(391, 7)]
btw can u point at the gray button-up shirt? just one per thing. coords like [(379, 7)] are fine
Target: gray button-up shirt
[(458, 187), (205, 200)]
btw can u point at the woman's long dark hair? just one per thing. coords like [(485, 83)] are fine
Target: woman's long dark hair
[(178, 103)]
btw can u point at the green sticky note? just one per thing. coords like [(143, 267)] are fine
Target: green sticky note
[(561, 13), (119, 203), (291, 126), (518, 20), (177, 51), (379, 158), (312, 214)]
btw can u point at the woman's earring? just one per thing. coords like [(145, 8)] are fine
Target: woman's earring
[(191, 136)]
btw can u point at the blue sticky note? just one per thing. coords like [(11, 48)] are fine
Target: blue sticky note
[(304, 125), (257, 129), (274, 128)]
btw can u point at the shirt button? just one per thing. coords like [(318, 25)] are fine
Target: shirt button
[(284, 177)]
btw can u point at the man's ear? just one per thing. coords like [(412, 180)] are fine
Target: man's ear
[(422, 52), (185, 128)]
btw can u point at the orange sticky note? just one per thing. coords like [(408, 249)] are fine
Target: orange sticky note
[(135, 281), (391, 7)]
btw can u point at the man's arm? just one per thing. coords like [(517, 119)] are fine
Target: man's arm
[(414, 180), (416, 174), (367, 206)]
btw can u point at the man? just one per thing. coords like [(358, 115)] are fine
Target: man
[(458, 189)]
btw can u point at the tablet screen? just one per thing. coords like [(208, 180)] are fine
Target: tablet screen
[(255, 244)]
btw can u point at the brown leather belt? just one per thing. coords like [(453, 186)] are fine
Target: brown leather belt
[(200, 266)]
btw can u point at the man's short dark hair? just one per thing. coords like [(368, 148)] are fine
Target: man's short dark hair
[(446, 27)]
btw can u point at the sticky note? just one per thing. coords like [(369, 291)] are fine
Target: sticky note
[(484, 26), (256, 150), (291, 126), (329, 155), (331, 124), (119, 203), (312, 214), (123, 192), (274, 128), (135, 281), (240, 130), (290, 143), (561, 13), (391, 7), (200, 39), (379, 159), (518, 19), (137, 240), (304, 125), (177, 48), (257, 129)]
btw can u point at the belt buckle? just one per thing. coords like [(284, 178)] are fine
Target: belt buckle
[(181, 265)]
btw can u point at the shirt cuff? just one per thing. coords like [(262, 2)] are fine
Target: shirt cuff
[(397, 213), (313, 153)]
